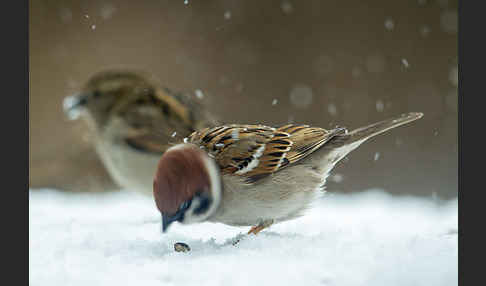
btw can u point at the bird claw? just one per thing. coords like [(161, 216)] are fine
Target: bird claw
[(261, 226), (254, 229), (237, 239)]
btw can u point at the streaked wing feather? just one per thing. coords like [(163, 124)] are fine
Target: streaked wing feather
[(157, 137), (157, 134), (256, 151), (234, 147), (147, 143), (307, 139)]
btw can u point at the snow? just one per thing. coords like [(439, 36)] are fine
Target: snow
[(368, 238)]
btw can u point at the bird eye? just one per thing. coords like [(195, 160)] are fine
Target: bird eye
[(96, 94)]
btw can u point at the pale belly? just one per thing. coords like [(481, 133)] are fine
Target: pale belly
[(281, 197), (130, 169)]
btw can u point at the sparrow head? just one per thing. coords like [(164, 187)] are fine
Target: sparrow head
[(134, 101), (104, 92), (187, 185)]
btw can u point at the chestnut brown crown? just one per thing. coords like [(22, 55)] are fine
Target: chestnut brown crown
[(187, 185)]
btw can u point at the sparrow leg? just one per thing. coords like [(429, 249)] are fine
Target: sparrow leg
[(262, 225), (254, 229)]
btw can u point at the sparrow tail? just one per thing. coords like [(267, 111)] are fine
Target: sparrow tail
[(366, 132), (342, 144)]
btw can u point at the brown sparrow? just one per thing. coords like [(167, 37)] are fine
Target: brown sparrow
[(256, 175), (133, 122)]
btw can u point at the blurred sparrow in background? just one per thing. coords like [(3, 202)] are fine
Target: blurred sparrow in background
[(253, 175), (133, 122)]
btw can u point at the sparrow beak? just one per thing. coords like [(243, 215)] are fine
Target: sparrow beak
[(178, 216), (73, 104), (167, 220)]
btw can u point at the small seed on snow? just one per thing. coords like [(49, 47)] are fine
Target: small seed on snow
[(181, 247)]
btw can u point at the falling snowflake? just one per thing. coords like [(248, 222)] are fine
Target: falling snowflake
[(377, 156), (286, 7), (389, 24), (301, 96), (405, 63), (331, 108), (227, 15), (199, 93), (380, 106)]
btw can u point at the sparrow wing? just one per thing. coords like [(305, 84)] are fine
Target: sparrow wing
[(157, 134), (176, 116), (149, 143), (256, 151), (307, 139)]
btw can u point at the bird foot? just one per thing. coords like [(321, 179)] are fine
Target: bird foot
[(254, 229), (234, 241), (261, 226)]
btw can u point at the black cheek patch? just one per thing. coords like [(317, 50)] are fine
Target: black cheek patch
[(204, 202)]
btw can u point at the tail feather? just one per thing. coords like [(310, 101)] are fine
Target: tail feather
[(340, 145), (366, 132)]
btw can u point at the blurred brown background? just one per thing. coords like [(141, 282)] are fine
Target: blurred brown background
[(354, 62)]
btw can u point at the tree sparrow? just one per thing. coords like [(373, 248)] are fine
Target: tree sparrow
[(133, 122), (253, 175)]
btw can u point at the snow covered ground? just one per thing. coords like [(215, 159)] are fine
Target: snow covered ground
[(369, 238)]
